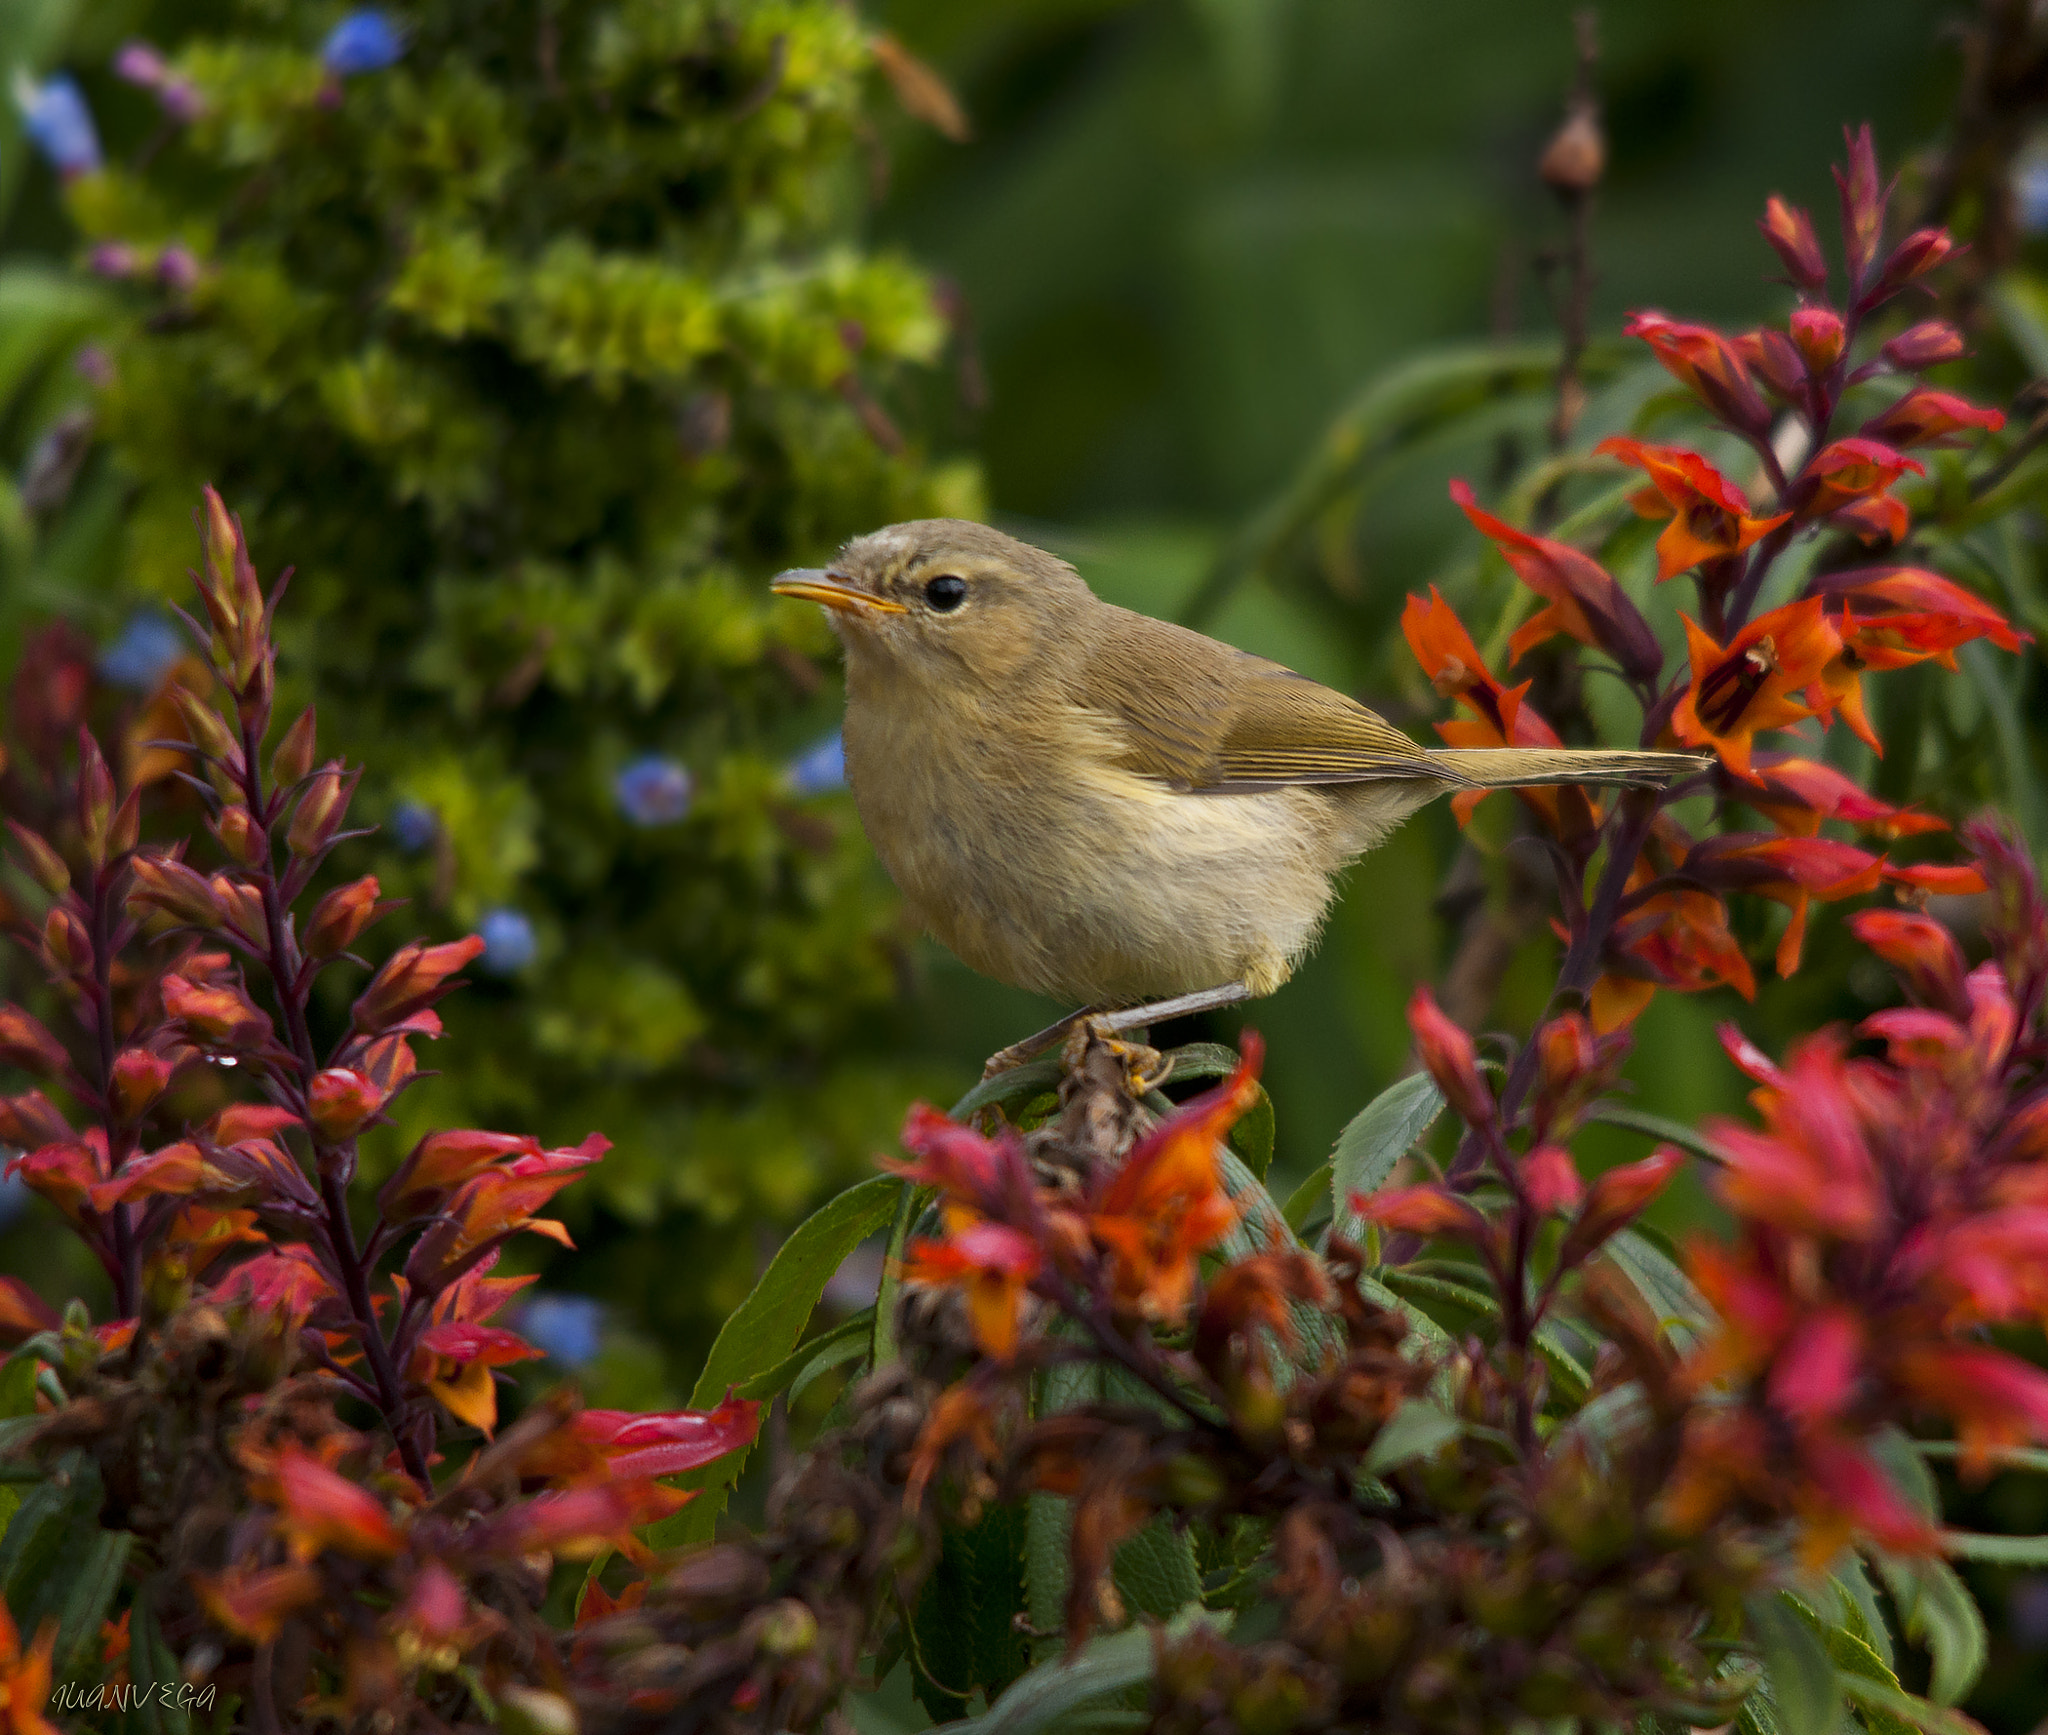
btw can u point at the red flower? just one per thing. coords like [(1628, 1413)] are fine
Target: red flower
[(1927, 344), (1710, 518), (412, 979), (1448, 1055), (320, 1509), (1747, 685), (994, 1264), (668, 1442), (1615, 1200), (1921, 951), (1818, 336), (1863, 203), (1677, 939), (1585, 602), (1166, 1205), (1445, 651), (23, 1312), (1789, 230), (1798, 794), (257, 1603), (1924, 417), (1849, 471), (1427, 1209), (454, 1360), (1788, 870), (1810, 1169), (1707, 365)]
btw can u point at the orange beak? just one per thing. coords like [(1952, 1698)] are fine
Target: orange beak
[(815, 585)]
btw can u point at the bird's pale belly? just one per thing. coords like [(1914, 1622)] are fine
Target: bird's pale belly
[(1113, 891)]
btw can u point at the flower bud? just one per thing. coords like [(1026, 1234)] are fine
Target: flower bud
[(1928, 344), (1917, 255), (95, 799), (140, 1077), (26, 1044), (1774, 359), (412, 977), (239, 834), (31, 1120), (1576, 156), (1616, 1200), (126, 830), (242, 907), (1550, 1180), (39, 861), (167, 884), (210, 734), (1452, 1061), (340, 916), (339, 1102), (67, 947), (1790, 233), (1818, 333), (294, 755), (321, 809), (211, 1012)]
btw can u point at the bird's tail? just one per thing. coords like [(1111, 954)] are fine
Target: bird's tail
[(1518, 767)]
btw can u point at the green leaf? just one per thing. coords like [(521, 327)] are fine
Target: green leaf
[(18, 1385), (1936, 1610), (151, 1660), (1374, 1140), (794, 1370), (1871, 1695), (1416, 1430), (1680, 1308), (1656, 1126), (1309, 1204), (1155, 1571), (964, 1621), (1054, 1695), (1031, 1079), (96, 1576), (1860, 1612), (1252, 1136), (1999, 1550), (882, 1345), (2005, 1458), (1048, 1567), (764, 1329), (1805, 1699)]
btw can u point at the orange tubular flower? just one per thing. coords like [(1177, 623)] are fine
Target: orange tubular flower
[(1585, 602), (1167, 1204), (1710, 517), (1853, 470), (994, 1265), (1798, 794), (1447, 655), (960, 1414), (1788, 870), (1706, 363), (320, 1509), (1925, 417), (25, 1678), (454, 1361), (1677, 939), (1447, 1052), (257, 1604), (1747, 685)]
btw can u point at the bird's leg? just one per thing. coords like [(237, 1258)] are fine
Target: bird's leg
[(1121, 1019)]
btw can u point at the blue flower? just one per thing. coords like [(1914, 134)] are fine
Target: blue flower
[(14, 1198), (820, 768), (414, 826), (509, 942), (2031, 188), (365, 41), (143, 653), (58, 123), (569, 1328), (653, 790)]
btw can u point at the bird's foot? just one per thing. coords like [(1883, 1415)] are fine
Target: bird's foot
[(1115, 1023)]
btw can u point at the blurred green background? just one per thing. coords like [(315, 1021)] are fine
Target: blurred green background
[(1185, 239)]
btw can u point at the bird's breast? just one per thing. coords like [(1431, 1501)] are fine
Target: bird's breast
[(1028, 851)]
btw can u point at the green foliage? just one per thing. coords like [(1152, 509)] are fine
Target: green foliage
[(539, 352)]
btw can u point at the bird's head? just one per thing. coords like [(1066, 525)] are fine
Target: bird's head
[(943, 600)]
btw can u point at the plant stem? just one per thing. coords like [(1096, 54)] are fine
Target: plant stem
[(127, 1272), (282, 960)]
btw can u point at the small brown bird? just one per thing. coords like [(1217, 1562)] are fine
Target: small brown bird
[(1106, 808)]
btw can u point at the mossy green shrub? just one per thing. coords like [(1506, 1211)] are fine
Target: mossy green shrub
[(540, 334)]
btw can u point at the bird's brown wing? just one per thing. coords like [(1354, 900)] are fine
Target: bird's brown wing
[(1204, 716)]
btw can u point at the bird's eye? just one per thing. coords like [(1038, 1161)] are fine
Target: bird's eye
[(946, 593)]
